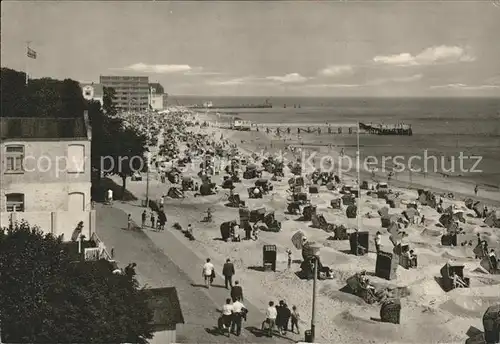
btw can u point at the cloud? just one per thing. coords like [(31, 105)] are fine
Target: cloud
[(434, 55), (374, 82), (288, 78), (230, 82), (465, 87), (198, 71), (333, 85), (158, 68), (336, 70), (403, 79)]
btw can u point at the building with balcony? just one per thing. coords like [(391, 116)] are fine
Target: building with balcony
[(131, 92), (93, 92), (45, 176)]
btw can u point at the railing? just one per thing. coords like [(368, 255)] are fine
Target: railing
[(100, 244)]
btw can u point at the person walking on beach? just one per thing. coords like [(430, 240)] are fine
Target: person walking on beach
[(228, 272), (287, 313), (237, 292), (153, 220), (208, 269), (295, 317), (129, 222), (289, 260), (227, 315), (109, 196), (239, 314), (422, 221), (143, 219), (270, 321), (476, 189)]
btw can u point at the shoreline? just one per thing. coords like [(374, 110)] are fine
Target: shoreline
[(431, 181), (341, 317)]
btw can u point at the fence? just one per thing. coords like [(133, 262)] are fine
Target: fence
[(58, 223)]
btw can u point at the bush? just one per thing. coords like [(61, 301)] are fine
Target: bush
[(48, 298)]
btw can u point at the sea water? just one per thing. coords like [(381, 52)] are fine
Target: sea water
[(442, 127)]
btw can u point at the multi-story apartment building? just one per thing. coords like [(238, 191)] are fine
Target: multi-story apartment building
[(46, 174), (131, 92)]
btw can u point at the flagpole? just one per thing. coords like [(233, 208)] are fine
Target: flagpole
[(27, 62), (359, 181)]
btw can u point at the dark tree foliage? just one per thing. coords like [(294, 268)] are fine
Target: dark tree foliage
[(13, 93), (115, 149), (48, 298), (44, 97)]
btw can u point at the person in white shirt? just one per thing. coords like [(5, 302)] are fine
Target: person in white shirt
[(378, 241), (226, 318), (271, 314), (109, 196), (208, 271), (239, 313)]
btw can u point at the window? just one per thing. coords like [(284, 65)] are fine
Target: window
[(14, 156), (76, 159), (15, 202)]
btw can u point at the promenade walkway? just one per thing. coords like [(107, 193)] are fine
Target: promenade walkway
[(164, 261)]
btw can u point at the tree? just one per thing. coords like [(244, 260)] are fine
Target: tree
[(13, 91), (47, 298), (107, 100), (116, 149)]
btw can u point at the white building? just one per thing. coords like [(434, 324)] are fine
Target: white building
[(46, 174), (93, 91)]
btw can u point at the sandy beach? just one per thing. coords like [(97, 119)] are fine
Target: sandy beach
[(341, 317)]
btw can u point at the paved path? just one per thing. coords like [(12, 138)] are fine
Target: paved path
[(163, 261)]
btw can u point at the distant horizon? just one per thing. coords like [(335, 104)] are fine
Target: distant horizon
[(334, 96)]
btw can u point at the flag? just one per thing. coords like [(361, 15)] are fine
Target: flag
[(31, 53)]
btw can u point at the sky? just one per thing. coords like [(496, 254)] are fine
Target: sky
[(309, 48)]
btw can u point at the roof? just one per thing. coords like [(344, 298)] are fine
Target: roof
[(158, 88), (166, 307), (42, 128)]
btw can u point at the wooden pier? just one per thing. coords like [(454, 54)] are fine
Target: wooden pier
[(327, 128), (398, 129)]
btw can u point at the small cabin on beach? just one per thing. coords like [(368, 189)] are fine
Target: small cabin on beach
[(239, 124)]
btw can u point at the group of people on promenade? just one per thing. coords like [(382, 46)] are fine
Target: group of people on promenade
[(281, 317), (234, 311)]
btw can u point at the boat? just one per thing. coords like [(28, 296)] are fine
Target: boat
[(241, 125)]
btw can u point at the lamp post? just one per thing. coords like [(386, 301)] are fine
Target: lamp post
[(313, 317), (359, 181), (147, 167)]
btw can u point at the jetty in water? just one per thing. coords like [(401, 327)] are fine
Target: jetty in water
[(380, 129), (319, 128), (211, 106)]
